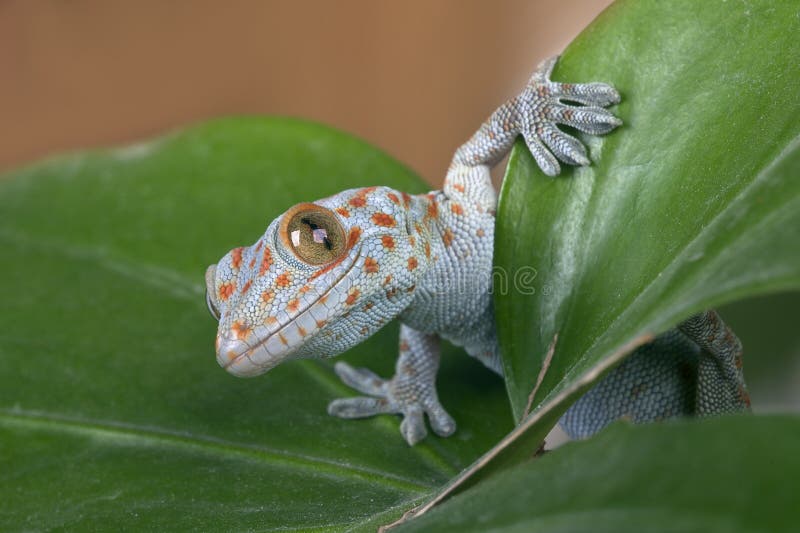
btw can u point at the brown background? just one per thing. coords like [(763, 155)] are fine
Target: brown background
[(415, 78)]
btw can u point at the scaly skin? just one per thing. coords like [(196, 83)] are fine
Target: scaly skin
[(325, 276)]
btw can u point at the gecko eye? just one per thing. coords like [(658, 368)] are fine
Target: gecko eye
[(314, 234)]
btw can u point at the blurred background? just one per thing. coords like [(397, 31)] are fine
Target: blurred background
[(414, 78)]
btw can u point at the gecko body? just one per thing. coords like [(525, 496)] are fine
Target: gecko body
[(326, 275)]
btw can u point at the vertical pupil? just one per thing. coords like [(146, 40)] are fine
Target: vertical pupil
[(320, 235)]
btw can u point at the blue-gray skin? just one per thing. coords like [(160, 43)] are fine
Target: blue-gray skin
[(326, 275)]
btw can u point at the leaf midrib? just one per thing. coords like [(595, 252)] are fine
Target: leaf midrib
[(192, 442)]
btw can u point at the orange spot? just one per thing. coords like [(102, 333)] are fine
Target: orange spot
[(343, 211), (447, 237), (412, 263), (412, 240), (302, 331), (367, 306), (480, 233), (271, 321), (388, 242), (246, 286), (406, 199), (404, 347), (231, 355), (236, 257), (321, 323), (388, 280), (383, 219), (427, 249), (304, 289), (241, 330), (370, 265), (458, 187), (266, 262), (283, 339), (358, 201), (352, 296), (323, 299), (456, 209), (391, 292), (267, 296), (411, 288), (433, 209), (360, 198), (355, 234), (417, 227), (283, 280), (252, 263), (393, 197), (292, 305), (226, 289), (259, 245)]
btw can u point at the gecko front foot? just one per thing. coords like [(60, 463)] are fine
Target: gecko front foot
[(541, 106), (405, 394)]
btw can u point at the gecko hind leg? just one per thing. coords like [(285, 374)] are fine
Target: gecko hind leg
[(720, 381), (692, 370), (410, 393)]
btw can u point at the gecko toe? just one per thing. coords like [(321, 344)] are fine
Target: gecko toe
[(413, 426), (441, 422), (359, 407), (361, 379)]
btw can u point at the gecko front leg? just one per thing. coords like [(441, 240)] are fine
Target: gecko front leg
[(410, 393)]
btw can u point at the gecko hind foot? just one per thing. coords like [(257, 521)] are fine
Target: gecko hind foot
[(401, 395), (543, 105)]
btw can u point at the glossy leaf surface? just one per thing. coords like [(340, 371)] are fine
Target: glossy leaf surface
[(113, 410), (695, 201)]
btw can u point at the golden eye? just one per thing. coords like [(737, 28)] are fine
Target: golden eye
[(314, 234)]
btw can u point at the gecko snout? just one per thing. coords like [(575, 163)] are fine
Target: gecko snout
[(232, 355)]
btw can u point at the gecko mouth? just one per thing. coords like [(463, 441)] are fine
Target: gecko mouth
[(287, 337)]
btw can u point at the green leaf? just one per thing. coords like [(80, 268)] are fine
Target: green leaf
[(692, 203), (113, 410), (731, 474)]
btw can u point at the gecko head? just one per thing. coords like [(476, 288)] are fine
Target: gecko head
[(322, 278)]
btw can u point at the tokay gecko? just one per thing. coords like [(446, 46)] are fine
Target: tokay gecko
[(328, 274)]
